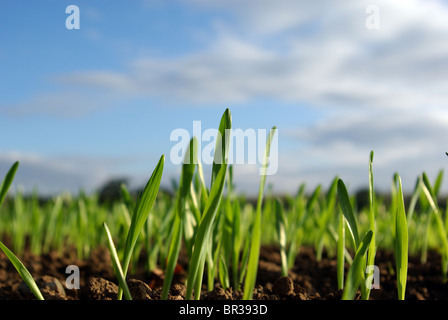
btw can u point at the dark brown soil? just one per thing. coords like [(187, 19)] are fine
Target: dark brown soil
[(308, 280)]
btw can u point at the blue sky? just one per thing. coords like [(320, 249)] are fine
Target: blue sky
[(81, 106)]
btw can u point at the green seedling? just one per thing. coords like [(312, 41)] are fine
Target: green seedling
[(222, 231), (358, 271), (430, 195), (341, 251), (355, 275), (116, 263), (324, 213), (281, 234), (344, 202), (183, 191), (203, 233), (372, 225), (141, 212), (254, 254), (237, 242), (20, 267), (401, 244), (7, 181), (23, 272)]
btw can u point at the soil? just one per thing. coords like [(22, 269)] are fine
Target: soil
[(308, 280)]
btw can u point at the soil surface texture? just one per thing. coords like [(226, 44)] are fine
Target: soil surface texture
[(308, 280)]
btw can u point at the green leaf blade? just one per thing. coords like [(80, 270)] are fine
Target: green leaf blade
[(347, 210), (254, 253), (219, 173), (281, 235), (184, 188), (341, 252), (116, 263), (372, 225), (7, 181), (401, 244), (356, 271), (23, 272), (141, 212), (430, 196)]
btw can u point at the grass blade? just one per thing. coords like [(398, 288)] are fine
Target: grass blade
[(313, 199), (223, 273), (401, 244), (347, 210), (222, 145), (414, 198), (176, 241), (341, 252), (252, 267), (127, 198), (23, 272), (429, 193), (116, 263), (438, 183), (203, 232), (356, 271), (141, 212), (236, 238), (281, 234), (21, 269), (372, 248), (7, 181)]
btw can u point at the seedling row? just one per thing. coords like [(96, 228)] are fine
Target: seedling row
[(221, 230)]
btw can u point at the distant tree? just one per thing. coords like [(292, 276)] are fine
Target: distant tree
[(362, 198), (111, 190)]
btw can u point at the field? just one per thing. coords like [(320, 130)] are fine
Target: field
[(205, 241)]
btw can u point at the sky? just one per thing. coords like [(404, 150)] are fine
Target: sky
[(80, 106)]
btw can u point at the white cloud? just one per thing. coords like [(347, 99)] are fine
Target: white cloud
[(407, 143), (317, 53), (384, 89), (53, 174), (66, 103)]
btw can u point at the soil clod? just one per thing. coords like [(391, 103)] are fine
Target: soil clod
[(139, 290), (101, 289), (283, 286)]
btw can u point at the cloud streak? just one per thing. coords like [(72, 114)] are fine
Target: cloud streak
[(323, 56), (407, 143), (50, 175), (382, 90)]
